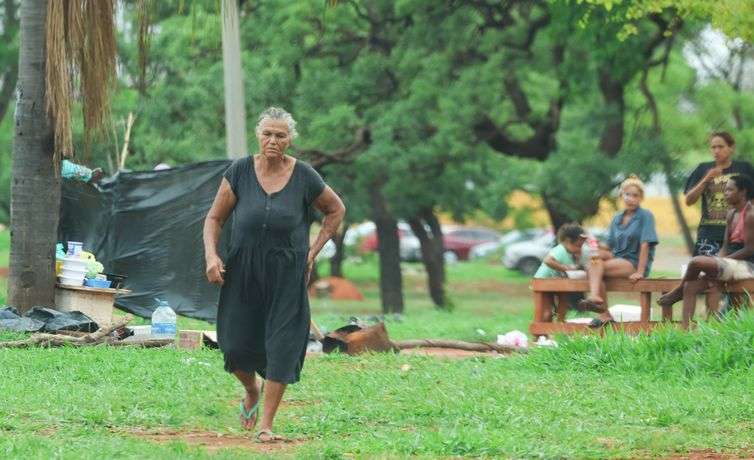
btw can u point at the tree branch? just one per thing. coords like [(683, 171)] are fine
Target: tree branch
[(319, 158)]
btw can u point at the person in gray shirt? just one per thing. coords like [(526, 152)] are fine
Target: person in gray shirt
[(629, 252)]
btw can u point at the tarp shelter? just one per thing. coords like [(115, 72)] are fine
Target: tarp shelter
[(148, 225)]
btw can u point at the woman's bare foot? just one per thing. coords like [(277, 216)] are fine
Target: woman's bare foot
[(670, 298)]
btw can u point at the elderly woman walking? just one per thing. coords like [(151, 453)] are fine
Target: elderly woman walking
[(263, 314)]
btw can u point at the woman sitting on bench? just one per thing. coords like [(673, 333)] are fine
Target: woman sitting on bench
[(735, 261), (631, 246)]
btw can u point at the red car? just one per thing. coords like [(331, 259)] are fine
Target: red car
[(457, 241)]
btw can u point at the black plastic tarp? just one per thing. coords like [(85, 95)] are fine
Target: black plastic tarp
[(148, 226)]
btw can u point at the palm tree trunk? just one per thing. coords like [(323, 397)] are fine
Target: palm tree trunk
[(35, 188), (235, 112)]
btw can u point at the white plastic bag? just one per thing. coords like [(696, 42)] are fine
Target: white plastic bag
[(514, 339)]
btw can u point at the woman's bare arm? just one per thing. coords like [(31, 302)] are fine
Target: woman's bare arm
[(330, 204), (225, 201)]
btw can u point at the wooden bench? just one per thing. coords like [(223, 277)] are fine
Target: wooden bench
[(646, 287)]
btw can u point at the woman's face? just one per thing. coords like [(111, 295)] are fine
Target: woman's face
[(273, 138), (720, 149), (733, 195), (632, 197)]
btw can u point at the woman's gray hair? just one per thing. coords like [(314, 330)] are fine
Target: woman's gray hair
[(276, 113)]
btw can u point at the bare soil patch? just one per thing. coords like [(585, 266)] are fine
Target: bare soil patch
[(709, 454), (447, 353), (210, 440)]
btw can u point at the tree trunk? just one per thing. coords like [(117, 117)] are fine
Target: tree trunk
[(557, 218), (35, 187), (678, 211), (9, 75), (235, 112), (611, 139), (388, 246), (336, 261), (433, 250)]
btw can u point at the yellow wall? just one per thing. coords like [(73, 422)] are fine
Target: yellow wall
[(661, 207)]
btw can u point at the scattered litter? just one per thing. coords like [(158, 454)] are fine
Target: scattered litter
[(191, 360), (543, 341), (481, 332), (579, 320), (405, 367), (314, 346), (514, 339)]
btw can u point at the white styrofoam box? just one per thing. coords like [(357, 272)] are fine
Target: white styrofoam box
[(625, 313)]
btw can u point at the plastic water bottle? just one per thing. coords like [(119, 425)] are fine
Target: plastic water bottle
[(163, 321)]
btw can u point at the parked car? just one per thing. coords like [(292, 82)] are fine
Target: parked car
[(410, 248), (526, 256), (514, 236), (457, 241)]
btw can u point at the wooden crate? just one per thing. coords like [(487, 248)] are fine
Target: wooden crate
[(96, 303)]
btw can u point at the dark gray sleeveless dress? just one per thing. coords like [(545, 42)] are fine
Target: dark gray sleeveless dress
[(263, 313)]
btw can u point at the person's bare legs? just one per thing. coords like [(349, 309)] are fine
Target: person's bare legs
[(252, 396), (272, 396), (690, 290), (598, 270), (696, 265)]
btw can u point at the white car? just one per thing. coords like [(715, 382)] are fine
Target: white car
[(526, 256)]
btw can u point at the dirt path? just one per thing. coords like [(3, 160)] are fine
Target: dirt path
[(210, 441)]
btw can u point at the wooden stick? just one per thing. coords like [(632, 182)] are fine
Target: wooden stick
[(317, 332), (458, 345), (56, 340), (127, 137)]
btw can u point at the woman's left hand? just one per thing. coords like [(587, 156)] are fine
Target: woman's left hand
[(636, 276)]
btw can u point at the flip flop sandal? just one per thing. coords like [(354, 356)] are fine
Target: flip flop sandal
[(253, 411), (597, 323), (588, 305), (271, 437)]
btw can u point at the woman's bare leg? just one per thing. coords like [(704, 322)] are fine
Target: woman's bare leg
[(598, 270), (272, 397), (252, 396)]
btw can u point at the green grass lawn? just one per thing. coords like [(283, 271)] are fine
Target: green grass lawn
[(618, 397)]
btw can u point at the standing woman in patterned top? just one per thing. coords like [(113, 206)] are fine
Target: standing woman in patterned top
[(708, 183), (263, 313)]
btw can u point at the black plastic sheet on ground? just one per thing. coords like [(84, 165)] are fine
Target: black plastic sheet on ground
[(148, 226), (46, 320)]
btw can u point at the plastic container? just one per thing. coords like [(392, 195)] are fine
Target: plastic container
[(163, 320), (76, 263), (141, 330), (72, 281), (74, 248), (72, 272), (95, 283)]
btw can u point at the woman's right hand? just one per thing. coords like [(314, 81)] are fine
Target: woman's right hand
[(215, 270), (713, 173)]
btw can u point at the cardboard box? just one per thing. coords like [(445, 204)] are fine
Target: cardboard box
[(189, 339)]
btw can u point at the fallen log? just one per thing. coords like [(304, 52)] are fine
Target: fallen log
[(57, 340), (457, 345)]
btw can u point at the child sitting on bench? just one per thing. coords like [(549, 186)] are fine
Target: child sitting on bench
[(566, 256)]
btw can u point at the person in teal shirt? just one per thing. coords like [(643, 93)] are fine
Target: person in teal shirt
[(566, 256)]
